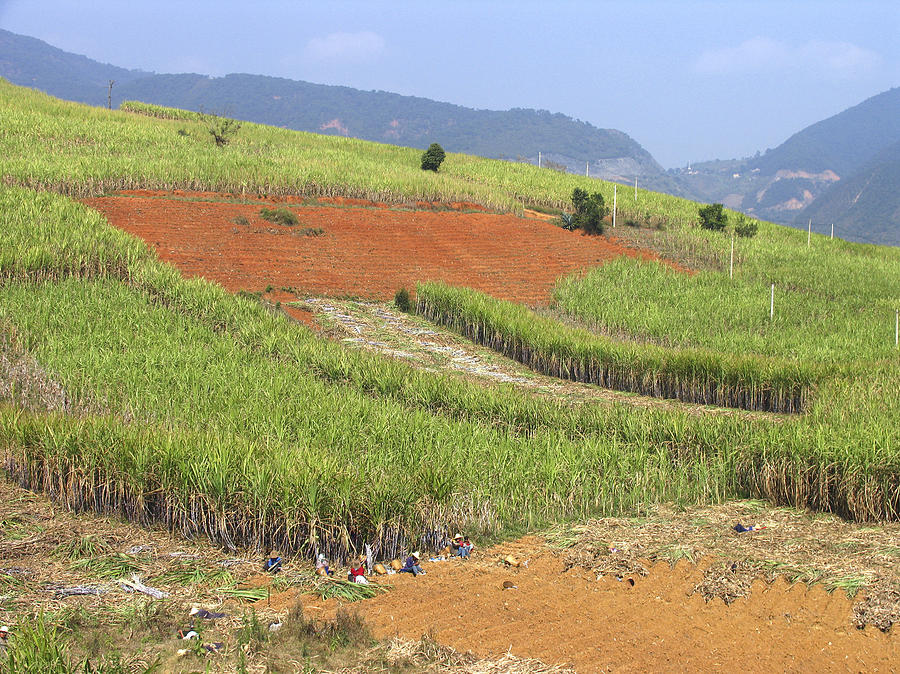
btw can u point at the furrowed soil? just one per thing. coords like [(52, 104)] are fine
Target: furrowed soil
[(364, 250), (573, 604)]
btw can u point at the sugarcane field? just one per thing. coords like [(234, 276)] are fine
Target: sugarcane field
[(292, 403)]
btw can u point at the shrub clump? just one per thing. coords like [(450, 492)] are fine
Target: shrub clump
[(433, 157), (402, 301), (713, 217), (590, 209), (280, 216), (746, 227)]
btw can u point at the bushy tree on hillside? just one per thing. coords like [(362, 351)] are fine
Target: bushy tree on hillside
[(713, 217), (432, 157), (745, 227), (590, 209)]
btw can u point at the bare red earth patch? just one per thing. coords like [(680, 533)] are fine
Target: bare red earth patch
[(367, 251)]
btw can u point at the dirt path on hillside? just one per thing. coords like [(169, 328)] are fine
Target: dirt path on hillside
[(364, 250), (382, 328)]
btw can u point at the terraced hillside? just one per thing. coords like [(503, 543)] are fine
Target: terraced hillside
[(212, 414)]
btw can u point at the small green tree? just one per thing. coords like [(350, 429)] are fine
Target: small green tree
[(432, 157), (745, 227), (590, 209), (713, 217)]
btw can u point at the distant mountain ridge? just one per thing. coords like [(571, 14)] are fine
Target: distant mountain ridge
[(516, 134), (812, 175)]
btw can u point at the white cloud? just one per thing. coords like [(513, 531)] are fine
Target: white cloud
[(345, 47), (760, 54)]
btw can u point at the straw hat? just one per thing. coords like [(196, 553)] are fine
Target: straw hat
[(4, 629), (396, 564), (457, 537), (321, 557), (380, 570), (416, 555)]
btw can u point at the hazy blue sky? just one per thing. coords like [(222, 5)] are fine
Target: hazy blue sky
[(689, 80)]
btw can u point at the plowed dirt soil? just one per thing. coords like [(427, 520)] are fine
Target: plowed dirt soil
[(558, 616), (570, 617), (365, 250)]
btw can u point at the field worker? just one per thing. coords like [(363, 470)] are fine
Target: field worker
[(4, 641), (412, 565), (322, 566), (358, 574), (455, 545), (466, 548), (273, 563)]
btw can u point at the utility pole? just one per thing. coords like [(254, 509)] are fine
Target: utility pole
[(539, 159), (109, 95)]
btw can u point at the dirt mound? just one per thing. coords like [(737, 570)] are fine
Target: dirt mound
[(364, 250)]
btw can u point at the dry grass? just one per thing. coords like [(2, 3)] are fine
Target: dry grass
[(859, 559), (427, 655)]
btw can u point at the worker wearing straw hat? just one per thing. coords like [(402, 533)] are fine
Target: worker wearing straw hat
[(273, 563), (4, 641), (412, 565), (358, 574), (455, 545)]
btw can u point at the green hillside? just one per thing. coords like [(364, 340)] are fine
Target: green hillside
[(213, 414), (865, 204), (518, 134)]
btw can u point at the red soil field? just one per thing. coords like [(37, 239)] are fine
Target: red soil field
[(367, 250), (569, 617)]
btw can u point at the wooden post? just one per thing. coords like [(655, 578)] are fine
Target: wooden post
[(614, 205), (772, 304), (897, 329), (808, 233), (109, 95), (587, 169), (832, 231), (731, 264), (539, 159), (635, 189)]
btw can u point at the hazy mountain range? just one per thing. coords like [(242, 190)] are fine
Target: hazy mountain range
[(844, 169)]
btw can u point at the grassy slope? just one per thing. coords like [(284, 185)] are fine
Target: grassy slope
[(249, 421)]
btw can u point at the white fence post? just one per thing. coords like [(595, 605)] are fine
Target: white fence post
[(614, 205), (808, 233), (772, 304), (731, 264)]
